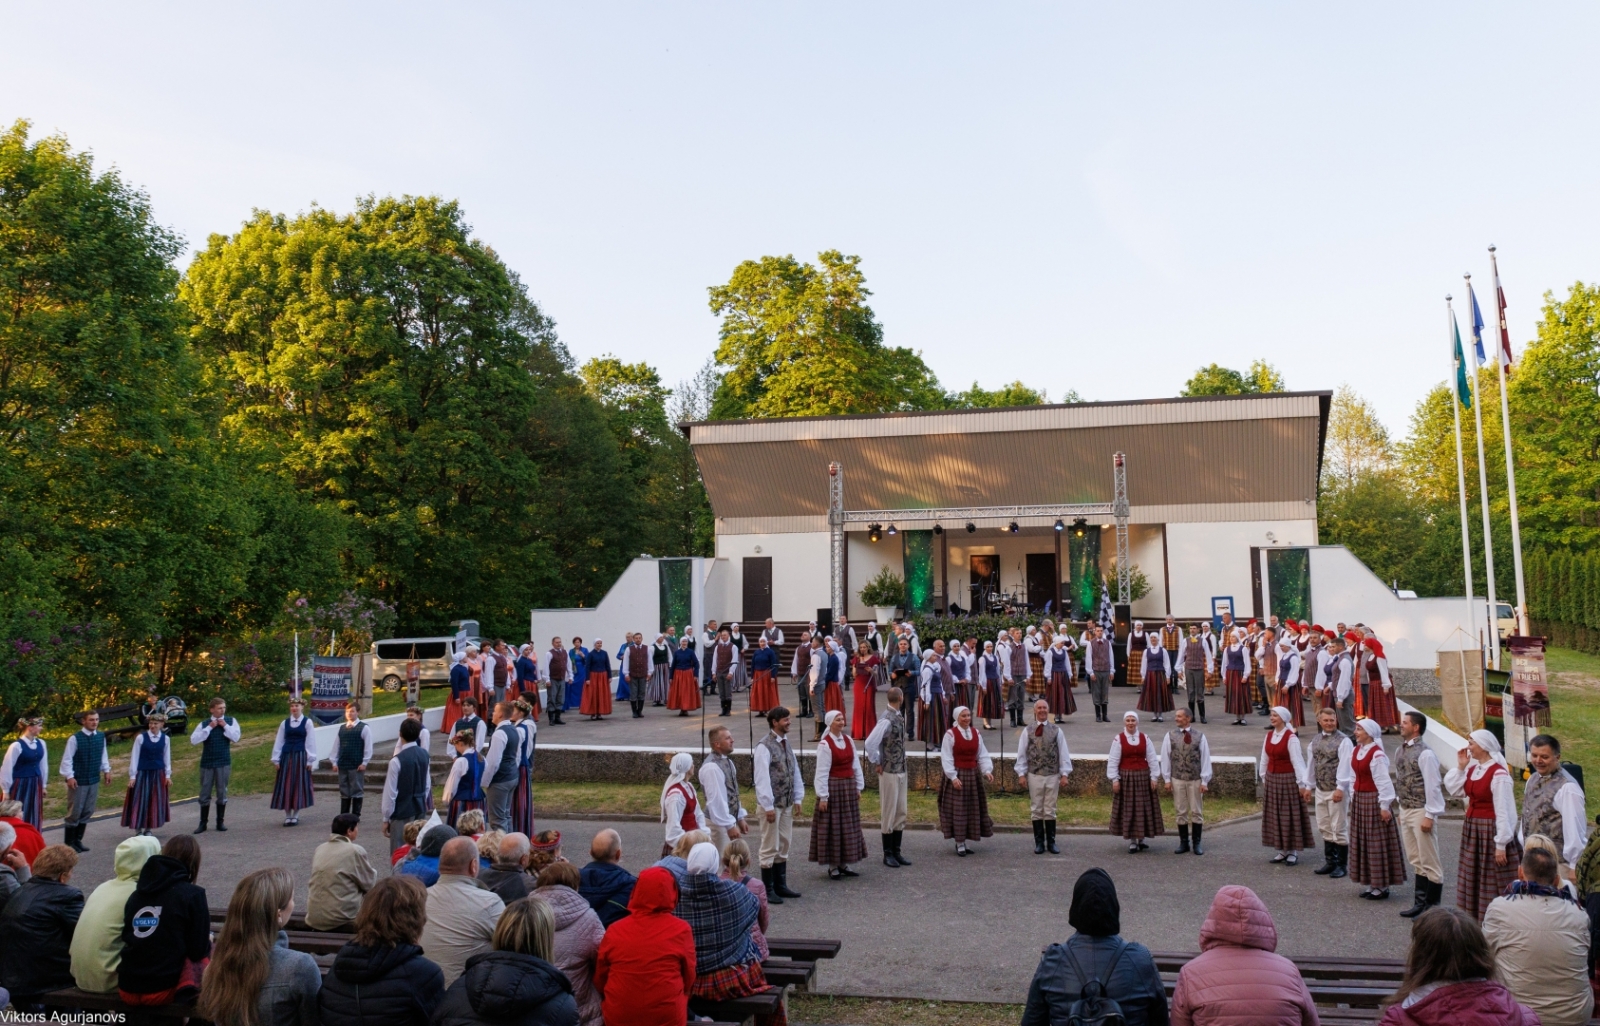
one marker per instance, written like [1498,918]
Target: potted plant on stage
[884,593]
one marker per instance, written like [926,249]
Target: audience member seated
[645,967]
[254,979]
[1540,941]
[1237,980]
[604,884]
[489,847]
[36,929]
[1450,978]
[735,867]
[14,870]
[471,823]
[341,873]
[544,848]
[678,862]
[409,835]
[97,941]
[508,876]
[461,915]
[1588,886]
[30,842]
[381,977]
[166,928]
[422,861]
[1096,952]
[578,935]
[722,913]
[516,983]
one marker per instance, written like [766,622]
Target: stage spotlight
[1078,526]
[892,531]
[1060,526]
[937,529]
[970,528]
[1013,528]
[874,533]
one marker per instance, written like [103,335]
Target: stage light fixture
[1060,526]
[937,529]
[1013,528]
[874,533]
[970,528]
[892,531]
[1078,526]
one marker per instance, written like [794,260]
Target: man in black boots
[84,765]
[215,735]
[1098,667]
[353,751]
[780,788]
[1415,772]
[1330,755]
[1043,764]
[1186,763]
[1194,658]
[886,747]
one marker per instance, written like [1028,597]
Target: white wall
[1412,630]
[799,574]
[632,604]
[1208,560]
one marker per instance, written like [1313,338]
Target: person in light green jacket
[97,940]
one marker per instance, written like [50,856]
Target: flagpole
[1523,626]
[1461,473]
[1483,475]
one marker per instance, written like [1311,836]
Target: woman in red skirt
[963,803]
[1490,853]
[1155,696]
[1380,704]
[684,695]
[1236,676]
[596,700]
[864,715]
[832,693]
[1375,856]
[836,839]
[1135,807]
[1285,824]
[1058,679]
[763,677]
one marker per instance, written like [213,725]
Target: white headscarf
[1489,743]
[827,721]
[703,859]
[1135,716]
[1374,731]
[681,765]
[1285,715]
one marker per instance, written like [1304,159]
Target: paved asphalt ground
[967,929]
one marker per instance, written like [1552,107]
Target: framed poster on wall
[1220,604]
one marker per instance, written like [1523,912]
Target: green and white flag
[1463,388]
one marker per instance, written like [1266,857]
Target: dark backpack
[1093,1008]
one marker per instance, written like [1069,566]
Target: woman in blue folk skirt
[463,789]
[294,754]
[25,770]
[527,725]
[146,807]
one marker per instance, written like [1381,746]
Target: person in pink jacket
[1237,979]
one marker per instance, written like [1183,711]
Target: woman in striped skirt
[836,839]
[1236,676]
[660,671]
[527,725]
[294,755]
[684,695]
[1490,853]
[1380,704]
[145,807]
[1058,679]
[25,770]
[1132,766]
[986,674]
[1285,824]
[963,803]
[1375,856]
[1154,694]
[463,789]
[935,720]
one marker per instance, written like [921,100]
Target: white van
[433,655]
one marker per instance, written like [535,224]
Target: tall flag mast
[1462,397]
[1504,363]
[1478,360]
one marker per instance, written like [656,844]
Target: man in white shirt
[86,748]
[720,783]
[1419,791]
[1553,804]
[1186,763]
[780,788]
[1043,764]
[461,915]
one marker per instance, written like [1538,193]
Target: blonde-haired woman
[146,805]
[25,769]
[254,979]
[516,981]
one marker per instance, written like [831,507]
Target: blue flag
[1477,325]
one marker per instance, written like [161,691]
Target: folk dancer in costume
[886,747]
[636,673]
[774,634]
[739,680]
[800,671]
[295,756]
[780,788]
[1285,827]
[1015,670]
[596,701]
[26,769]
[935,706]
[660,671]
[580,675]
[460,689]
[1236,677]
[1194,657]
[1376,859]
[1286,686]
[1312,660]
[1341,683]
[146,806]
[1134,648]
[1265,655]
[723,655]
[527,725]
[1171,639]
[407,786]
[719,778]
[84,765]
[708,641]
[865,688]
[963,803]
[1329,753]
[1213,644]
[684,695]
[500,769]
[680,803]
[830,695]
[216,736]
[352,751]
[959,660]
[1186,764]
[558,676]
[473,723]
[905,673]
[477,664]
[1380,703]
[1134,769]
[1155,696]
[817,677]
[991,684]
[1058,674]
[1553,804]
[1098,667]
[1419,787]
[1043,764]
[836,839]
[844,636]
[763,676]
[463,788]
[1035,645]
[526,668]
[499,665]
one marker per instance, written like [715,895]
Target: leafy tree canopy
[1218,380]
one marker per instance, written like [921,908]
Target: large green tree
[1218,380]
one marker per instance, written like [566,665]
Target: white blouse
[819,779]
[1505,797]
[1114,759]
[947,752]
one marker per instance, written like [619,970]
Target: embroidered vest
[1102,655]
[1405,769]
[782,769]
[1325,759]
[894,743]
[1170,636]
[730,780]
[1186,756]
[1044,751]
[1539,813]
[217,749]
[1194,655]
[1019,662]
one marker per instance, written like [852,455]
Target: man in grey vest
[1186,763]
[722,657]
[779,791]
[216,735]
[1414,769]
[1195,656]
[1098,666]
[719,778]
[1329,759]
[1043,764]
[1552,803]
[500,769]
[1342,681]
[886,747]
[406,787]
[84,765]
[352,751]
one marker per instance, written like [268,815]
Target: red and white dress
[1375,855]
[964,810]
[1490,826]
[1135,812]
[1285,823]
[681,813]
[836,833]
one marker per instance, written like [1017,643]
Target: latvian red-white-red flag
[1500,301]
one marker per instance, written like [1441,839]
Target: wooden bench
[741,1009]
[1354,985]
[126,711]
[807,950]
[783,972]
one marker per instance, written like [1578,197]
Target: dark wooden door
[1043,581]
[757,590]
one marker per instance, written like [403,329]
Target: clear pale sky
[1089,196]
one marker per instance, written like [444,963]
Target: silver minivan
[434,656]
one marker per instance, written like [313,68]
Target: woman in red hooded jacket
[1451,979]
[645,967]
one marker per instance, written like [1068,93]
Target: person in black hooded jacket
[36,928]
[515,984]
[381,978]
[1095,952]
[166,927]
